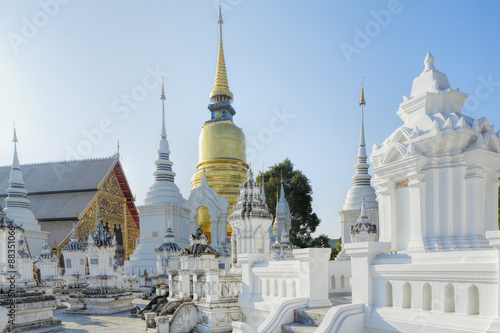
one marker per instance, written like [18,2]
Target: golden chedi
[222,150]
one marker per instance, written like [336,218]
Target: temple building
[63,193]
[222,148]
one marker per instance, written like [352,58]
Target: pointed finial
[281,176]
[221,87]
[73,233]
[15,164]
[429,62]
[163,129]
[15,135]
[362,99]
[362,103]
[162,88]
[220,14]
[118,148]
[249,173]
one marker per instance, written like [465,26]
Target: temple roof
[199,245]
[74,245]
[58,190]
[169,245]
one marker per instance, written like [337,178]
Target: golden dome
[222,140]
[223,158]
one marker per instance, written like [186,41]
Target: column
[474,187]
[184,284]
[313,284]
[362,255]
[385,192]
[212,277]
[416,187]
[494,241]
[195,287]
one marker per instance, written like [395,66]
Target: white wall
[336,271]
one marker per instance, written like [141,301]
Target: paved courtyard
[120,322]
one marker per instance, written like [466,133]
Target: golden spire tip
[362,99]
[162,88]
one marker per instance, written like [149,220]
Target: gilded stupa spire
[362,99]
[221,90]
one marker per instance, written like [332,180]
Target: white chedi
[167,255]
[105,294]
[74,259]
[11,235]
[250,222]
[25,266]
[436,143]
[282,248]
[46,261]
[363,230]
[436,262]
[164,207]
[17,207]
[199,255]
[361,191]
[100,249]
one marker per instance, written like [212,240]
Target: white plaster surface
[119,322]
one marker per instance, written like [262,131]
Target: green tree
[336,250]
[321,241]
[298,193]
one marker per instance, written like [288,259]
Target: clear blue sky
[68,75]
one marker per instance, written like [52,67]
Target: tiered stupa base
[32,310]
[102,297]
[218,317]
[100,303]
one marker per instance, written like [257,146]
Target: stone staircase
[306,320]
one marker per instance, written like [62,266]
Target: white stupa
[361,190]
[283,218]
[74,260]
[435,266]
[250,222]
[164,207]
[17,207]
[363,230]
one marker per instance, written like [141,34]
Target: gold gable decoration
[114,212]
